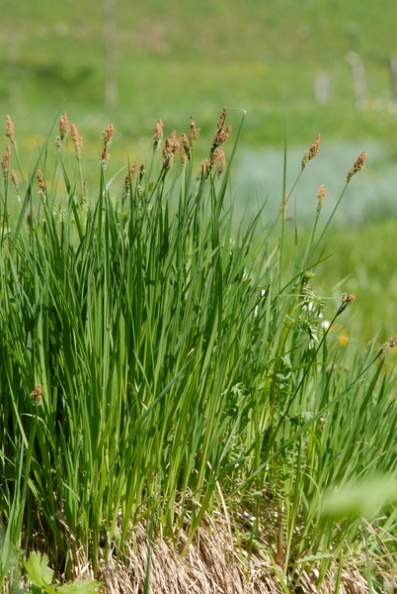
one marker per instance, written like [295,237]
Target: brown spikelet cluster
[77,141]
[216,155]
[131,174]
[187,141]
[63,130]
[107,141]
[105,157]
[63,126]
[346,299]
[185,148]
[204,169]
[171,147]
[221,133]
[37,395]
[10,131]
[107,135]
[129,178]
[358,165]
[41,185]
[5,164]
[321,194]
[312,152]
[158,134]
[389,344]
[15,181]
[193,132]
[141,173]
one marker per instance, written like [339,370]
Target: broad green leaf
[80,587]
[37,569]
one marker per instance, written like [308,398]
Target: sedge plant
[160,364]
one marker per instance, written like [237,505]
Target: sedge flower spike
[312,152]
[63,126]
[347,298]
[193,131]
[389,344]
[5,164]
[10,132]
[158,134]
[358,165]
[321,194]
[77,140]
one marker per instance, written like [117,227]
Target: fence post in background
[13,69]
[110,51]
[322,88]
[359,84]
[393,78]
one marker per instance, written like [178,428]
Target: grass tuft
[170,387]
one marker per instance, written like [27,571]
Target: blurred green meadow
[177,59]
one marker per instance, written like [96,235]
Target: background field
[180,58]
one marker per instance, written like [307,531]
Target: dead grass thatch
[214,563]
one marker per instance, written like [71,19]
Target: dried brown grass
[214,563]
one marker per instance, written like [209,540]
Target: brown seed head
[15,181]
[193,131]
[171,147]
[204,170]
[224,135]
[348,298]
[131,174]
[185,148]
[41,184]
[218,156]
[107,136]
[105,157]
[10,132]
[312,152]
[221,120]
[77,140]
[158,134]
[389,344]
[321,194]
[221,162]
[221,134]
[63,126]
[358,165]
[5,164]
[129,179]
[37,395]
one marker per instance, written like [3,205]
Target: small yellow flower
[343,338]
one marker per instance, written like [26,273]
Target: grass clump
[170,388]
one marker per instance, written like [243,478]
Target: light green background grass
[177,58]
